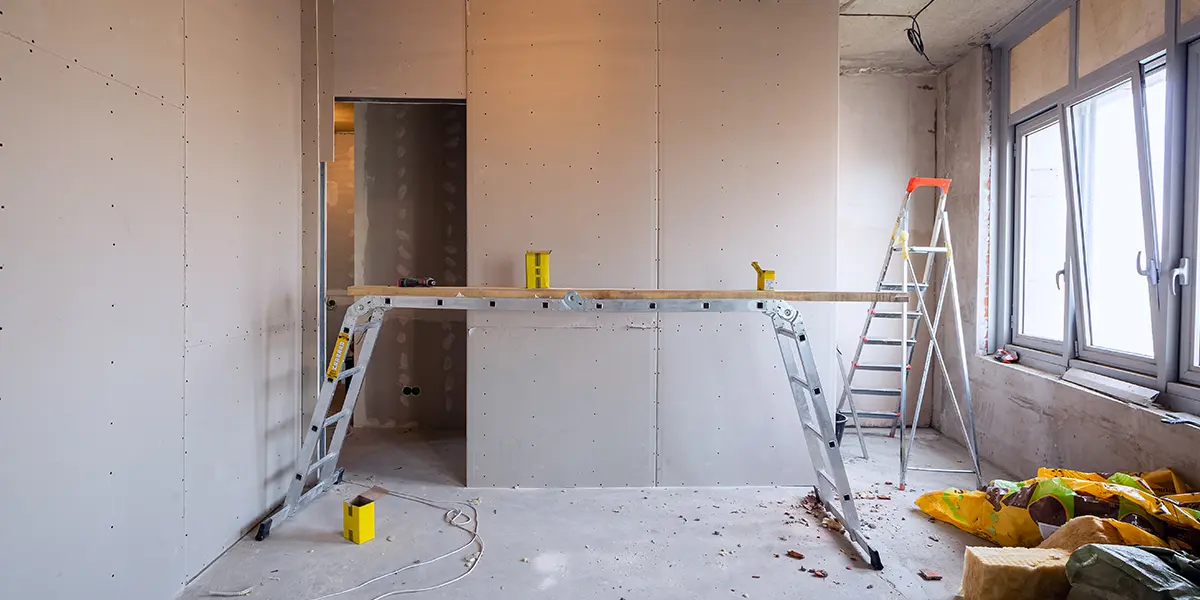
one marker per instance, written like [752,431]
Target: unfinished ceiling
[949,27]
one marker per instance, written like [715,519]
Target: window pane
[1111,220]
[1043,234]
[1156,120]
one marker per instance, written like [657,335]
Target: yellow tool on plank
[766,278]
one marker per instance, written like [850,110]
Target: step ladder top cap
[920,182]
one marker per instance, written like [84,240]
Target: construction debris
[929,575]
[795,555]
[819,573]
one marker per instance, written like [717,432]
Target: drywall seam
[131,87]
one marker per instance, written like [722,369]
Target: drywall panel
[411,222]
[241,402]
[886,135]
[311,198]
[561,118]
[325,79]
[1041,63]
[561,406]
[137,43]
[1109,29]
[243,169]
[739,425]
[92,387]
[748,162]
[561,121]
[242,271]
[1188,10]
[400,48]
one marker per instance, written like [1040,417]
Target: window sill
[1178,397]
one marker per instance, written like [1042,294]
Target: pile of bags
[1078,536]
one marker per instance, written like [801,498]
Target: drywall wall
[1108,29]
[242,279]
[172,389]
[400,48]
[410,221]
[744,177]
[561,117]
[92,380]
[886,135]
[1027,419]
[1188,10]
[1040,64]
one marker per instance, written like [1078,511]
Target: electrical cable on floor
[453,516]
[913,32]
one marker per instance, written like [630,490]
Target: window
[1088,189]
[1116,302]
[1041,235]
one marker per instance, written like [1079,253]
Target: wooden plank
[359,291]
[1041,63]
[1109,29]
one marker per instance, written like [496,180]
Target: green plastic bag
[1106,572]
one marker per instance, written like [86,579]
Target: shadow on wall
[401,212]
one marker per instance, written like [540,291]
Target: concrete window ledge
[1026,418]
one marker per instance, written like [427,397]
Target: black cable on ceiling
[913,32]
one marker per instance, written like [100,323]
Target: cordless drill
[416,282]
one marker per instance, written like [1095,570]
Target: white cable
[455,517]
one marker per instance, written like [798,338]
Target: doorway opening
[396,208]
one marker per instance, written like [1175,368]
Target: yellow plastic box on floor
[1015,574]
[358,519]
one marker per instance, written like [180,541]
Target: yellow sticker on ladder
[339,356]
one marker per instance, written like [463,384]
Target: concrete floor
[603,543]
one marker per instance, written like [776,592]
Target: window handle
[1181,275]
[1058,278]
[1150,270]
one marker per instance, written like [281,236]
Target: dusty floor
[602,543]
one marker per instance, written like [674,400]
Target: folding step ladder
[911,322]
[817,426]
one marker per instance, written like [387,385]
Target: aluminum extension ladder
[364,319]
[911,322]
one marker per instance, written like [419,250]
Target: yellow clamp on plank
[904,245]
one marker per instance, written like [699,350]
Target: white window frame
[1052,347]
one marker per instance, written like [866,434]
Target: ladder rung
[924,249]
[875,391]
[884,342]
[827,478]
[798,381]
[320,462]
[331,419]
[866,414]
[896,287]
[814,429]
[880,368]
[351,372]
[788,332]
[888,314]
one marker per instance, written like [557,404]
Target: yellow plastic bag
[1018,513]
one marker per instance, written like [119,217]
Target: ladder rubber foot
[337,478]
[902,487]
[892,433]
[875,562]
[264,529]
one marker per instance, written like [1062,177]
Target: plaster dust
[604,543]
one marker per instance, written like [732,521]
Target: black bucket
[839,426]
